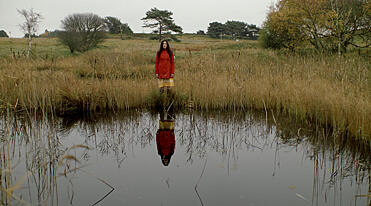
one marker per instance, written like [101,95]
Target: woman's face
[164,44]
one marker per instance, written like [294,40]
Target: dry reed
[210,74]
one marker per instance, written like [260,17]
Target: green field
[210,74]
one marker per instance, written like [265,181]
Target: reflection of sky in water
[244,165]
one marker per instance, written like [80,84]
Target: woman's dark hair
[166,157]
[167,48]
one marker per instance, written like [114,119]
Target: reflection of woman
[165,140]
[164,68]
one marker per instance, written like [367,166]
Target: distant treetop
[232,29]
[162,23]
[3,33]
[115,26]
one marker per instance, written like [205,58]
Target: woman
[164,68]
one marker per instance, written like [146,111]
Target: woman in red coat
[164,68]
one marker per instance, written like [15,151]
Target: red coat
[164,65]
[165,140]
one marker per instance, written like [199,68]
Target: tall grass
[210,74]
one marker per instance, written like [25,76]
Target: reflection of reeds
[34,145]
[343,159]
[35,141]
[336,158]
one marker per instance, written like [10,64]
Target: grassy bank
[210,74]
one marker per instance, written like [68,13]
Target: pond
[148,158]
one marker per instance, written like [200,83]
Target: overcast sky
[191,15]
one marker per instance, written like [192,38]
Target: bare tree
[30,26]
[82,31]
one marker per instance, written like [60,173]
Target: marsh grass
[210,75]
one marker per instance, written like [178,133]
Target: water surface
[142,158]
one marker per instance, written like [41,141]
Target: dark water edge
[218,159]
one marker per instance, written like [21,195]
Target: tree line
[232,29]
[84,31]
[326,25]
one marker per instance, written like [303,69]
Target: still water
[142,158]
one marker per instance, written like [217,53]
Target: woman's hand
[157,76]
